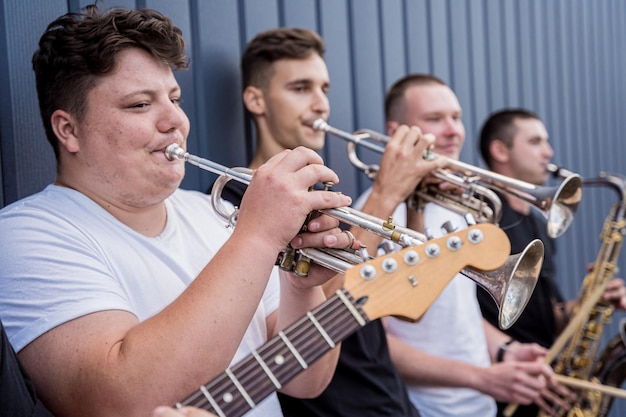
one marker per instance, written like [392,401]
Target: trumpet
[560,202]
[510,286]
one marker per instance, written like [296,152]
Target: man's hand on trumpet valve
[402,167]
[321,232]
[278,201]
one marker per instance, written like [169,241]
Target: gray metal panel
[417,29]
[341,93]
[218,132]
[460,73]
[27,158]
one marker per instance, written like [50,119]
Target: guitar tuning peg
[469,219]
[448,227]
[387,246]
[364,254]
[428,233]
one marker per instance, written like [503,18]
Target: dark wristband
[502,349]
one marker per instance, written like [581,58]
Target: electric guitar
[401,284]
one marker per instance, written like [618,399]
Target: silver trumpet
[510,286]
[560,202]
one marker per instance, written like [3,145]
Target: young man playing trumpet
[285,85]
[453,361]
[118,290]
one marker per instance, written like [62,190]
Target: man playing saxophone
[515,143]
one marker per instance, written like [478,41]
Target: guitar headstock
[405,283]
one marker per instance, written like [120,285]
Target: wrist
[502,350]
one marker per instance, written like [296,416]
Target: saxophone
[577,358]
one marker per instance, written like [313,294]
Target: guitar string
[301,338]
[274,345]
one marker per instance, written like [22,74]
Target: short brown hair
[275,44]
[501,126]
[394,99]
[77,48]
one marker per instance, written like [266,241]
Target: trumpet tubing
[560,202]
[510,286]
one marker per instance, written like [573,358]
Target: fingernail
[296,242]
[331,240]
[313,226]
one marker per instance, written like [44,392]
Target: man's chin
[316,144]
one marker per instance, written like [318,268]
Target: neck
[517,204]
[266,146]
[149,220]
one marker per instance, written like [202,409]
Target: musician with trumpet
[515,142]
[119,291]
[285,87]
[449,358]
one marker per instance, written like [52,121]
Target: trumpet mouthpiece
[174,151]
[320,124]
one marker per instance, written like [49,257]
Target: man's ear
[391,126]
[65,128]
[499,151]
[254,100]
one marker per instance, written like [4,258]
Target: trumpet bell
[512,285]
[562,211]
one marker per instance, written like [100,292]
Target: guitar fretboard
[280,359]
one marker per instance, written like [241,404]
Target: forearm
[420,368]
[495,339]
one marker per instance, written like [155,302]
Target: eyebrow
[150,92]
[305,81]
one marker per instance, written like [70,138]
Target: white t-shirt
[452,327]
[62,256]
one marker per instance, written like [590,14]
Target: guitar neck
[280,359]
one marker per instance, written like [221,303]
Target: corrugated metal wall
[562,58]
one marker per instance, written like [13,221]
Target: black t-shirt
[17,394]
[536,324]
[365,382]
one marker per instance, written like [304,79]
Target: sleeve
[51,273]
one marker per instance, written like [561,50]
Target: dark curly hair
[77,48]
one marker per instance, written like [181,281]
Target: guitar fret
[267,370]
[351,308]
[240,388]
[320,329]
[293,350]
[212,401]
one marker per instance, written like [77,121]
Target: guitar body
[402,284]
